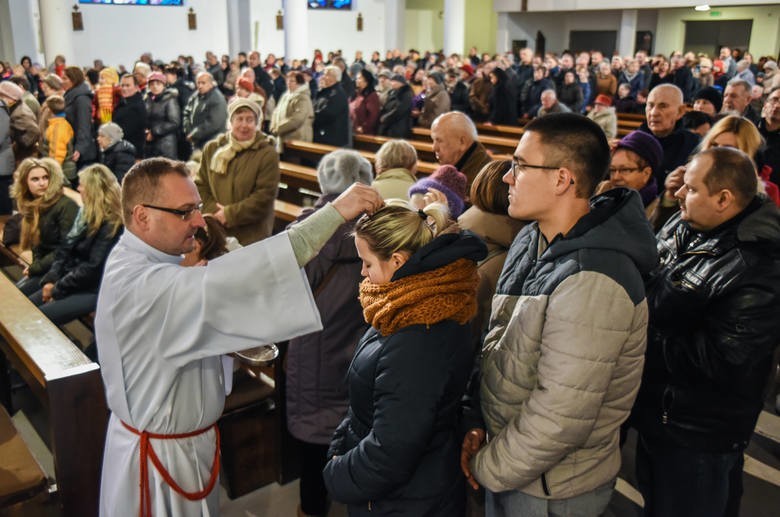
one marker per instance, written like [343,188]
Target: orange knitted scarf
[446,293]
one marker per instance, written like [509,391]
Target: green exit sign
[714,13]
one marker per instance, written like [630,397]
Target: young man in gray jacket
[562,360]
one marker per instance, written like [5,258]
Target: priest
[160,330]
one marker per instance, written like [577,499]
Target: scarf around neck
[446,293]
[223,155]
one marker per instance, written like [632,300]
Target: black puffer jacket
[398,448]
[119,158]
[163,119]
[714,302]
[78,265]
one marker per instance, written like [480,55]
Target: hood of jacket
[444,249]
[496,229]
[616,222]
[81,89]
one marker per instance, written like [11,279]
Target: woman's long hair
[30,206]
[102,203]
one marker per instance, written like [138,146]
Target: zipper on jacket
[545,488]
[666,403]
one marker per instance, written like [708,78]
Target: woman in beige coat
[294,115]
[239,175]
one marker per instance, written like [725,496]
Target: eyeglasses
[185,215]
[518,167]
[622,171]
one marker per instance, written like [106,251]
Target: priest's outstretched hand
[358,199]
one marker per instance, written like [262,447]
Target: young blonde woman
[397,450]
[69,289]
[47,215]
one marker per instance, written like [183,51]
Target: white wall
[327,29]
[573,5]
[119,34]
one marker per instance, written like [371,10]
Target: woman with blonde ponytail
[46,212]
[397,450]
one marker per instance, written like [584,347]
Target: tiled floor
[270,501]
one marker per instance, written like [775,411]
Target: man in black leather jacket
[713,300]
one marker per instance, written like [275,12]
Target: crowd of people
[515,317]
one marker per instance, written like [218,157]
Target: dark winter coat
[131,116]
[78,264]
[395,119]
[54,225]
[571,95]
[205,117]
[78,112]
[119,158]
[397,451]
[714,300]
[502,101]
[331,117]
[459,97]
[163,118]
[678,147]
[317,363]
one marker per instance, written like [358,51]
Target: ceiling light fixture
[703,7]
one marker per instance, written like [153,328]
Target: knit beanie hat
[157,76]
[710,94]
[340,169]
[239,103]
[451,182]
[646,146]
[398,77]
[11,90]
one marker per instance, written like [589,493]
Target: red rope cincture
[147,453]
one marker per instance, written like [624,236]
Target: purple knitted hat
[451,182]
[646,146]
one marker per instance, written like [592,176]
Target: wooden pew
[68,385]
[296,150]
[494,144]
[374,142]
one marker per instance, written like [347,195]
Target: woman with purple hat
[637,156]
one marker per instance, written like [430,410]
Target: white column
[24,28]
[394,24]
[57,29]
[296,30]
[454,26]
[627,32]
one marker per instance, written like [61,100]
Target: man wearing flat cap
[239,175]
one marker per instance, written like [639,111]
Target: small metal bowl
[263,355]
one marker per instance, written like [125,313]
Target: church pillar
[296,30]
[454,26]
[57,29]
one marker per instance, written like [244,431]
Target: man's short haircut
[577,143]
[395,154]
[746,86]
[458,121]
[550,91]
[211,77]
[733,170]
[131,76]
[142,182]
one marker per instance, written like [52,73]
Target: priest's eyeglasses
[184,214]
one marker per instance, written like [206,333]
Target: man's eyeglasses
[622,171]
[185,215]
[518,167]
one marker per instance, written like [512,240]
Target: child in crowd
[58,138]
